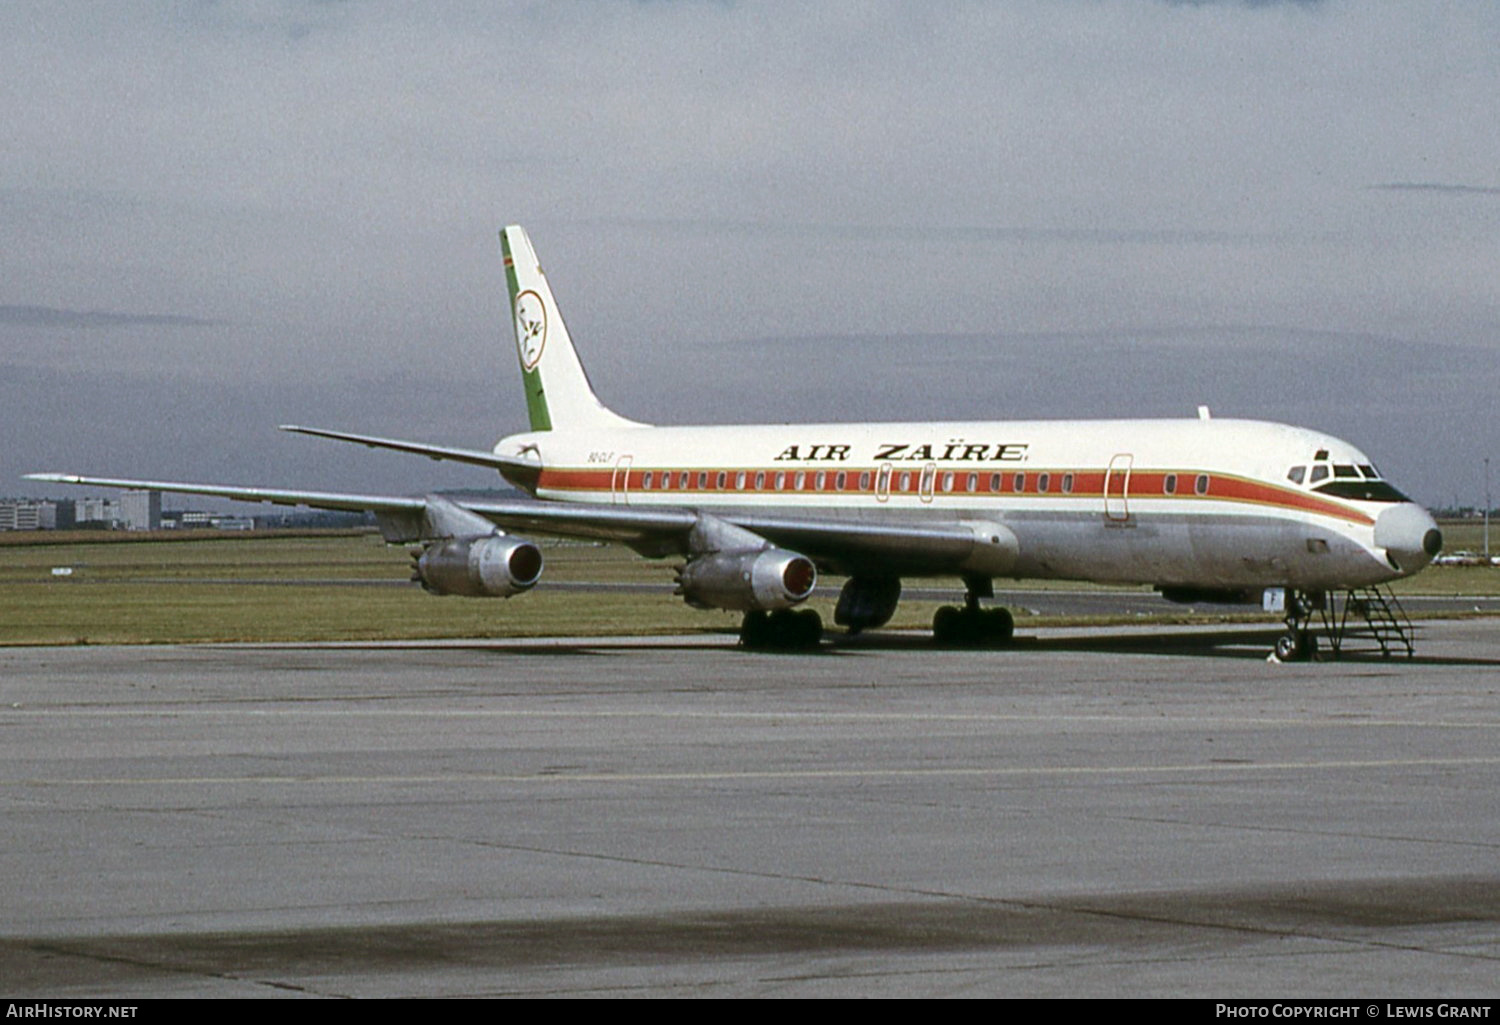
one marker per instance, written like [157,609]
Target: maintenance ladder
[1368,614]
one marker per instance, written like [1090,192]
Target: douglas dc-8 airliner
[1205,509]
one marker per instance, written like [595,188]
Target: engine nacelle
[494,566]
[762,578]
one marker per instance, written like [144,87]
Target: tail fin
[558,393]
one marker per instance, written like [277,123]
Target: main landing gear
[782,630]
[972,626]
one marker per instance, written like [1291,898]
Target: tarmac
[1092,813]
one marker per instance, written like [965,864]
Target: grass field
[349,586]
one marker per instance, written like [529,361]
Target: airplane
[1204,509]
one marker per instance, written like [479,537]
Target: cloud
[1440,187]
[45,316]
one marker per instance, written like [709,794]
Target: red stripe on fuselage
[1145,485]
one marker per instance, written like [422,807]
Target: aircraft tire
[755,630]
[782,630]
[999,626]
[1296,646]
[809,629]
[947,625]
[972,627]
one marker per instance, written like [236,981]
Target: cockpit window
[1319,473]
[1368,471]
[1297,474]
[1344,470]
[1362,490]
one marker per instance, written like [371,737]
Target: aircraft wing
[842,544]
[312,499]
[401,516]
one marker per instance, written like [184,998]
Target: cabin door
[929,477]
[619,485]
[1117,488]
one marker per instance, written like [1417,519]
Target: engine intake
[494,566]
[762,578]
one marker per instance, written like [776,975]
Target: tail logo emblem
[531,328]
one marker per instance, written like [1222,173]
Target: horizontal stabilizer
[472,456]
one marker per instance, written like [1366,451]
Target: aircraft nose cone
[1409,535]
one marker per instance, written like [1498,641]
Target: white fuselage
[1191,503]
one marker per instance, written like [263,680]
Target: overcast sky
[221,216]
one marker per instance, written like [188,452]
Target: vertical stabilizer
[558,393]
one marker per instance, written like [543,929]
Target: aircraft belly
[1202,551]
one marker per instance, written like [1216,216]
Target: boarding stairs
[1368,614]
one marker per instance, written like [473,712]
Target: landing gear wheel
[1000,626]
[1297,646]
[948,625]
[782,630]
[755,630]
[811,628]
[972,626]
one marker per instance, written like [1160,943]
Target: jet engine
[494,566]
[758,579]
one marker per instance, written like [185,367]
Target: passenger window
[839,480]
[1319,473]
[1043,482]
[1018,483]
[720,479]
[995,483]
[820,480]
[1201,484]
[947,482]
[1296,474]
[760,481]
[799,481]
[903,482]
[702,480]
[780,481]
[1067,483]
[973,483]
[864,481]
[1169,484]
[739,481]
[645,480]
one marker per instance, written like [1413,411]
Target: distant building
[95,510]
[141,510]
[28,514]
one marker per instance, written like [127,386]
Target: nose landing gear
[1299,643]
